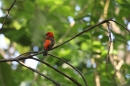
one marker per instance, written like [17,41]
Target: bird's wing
[46,44]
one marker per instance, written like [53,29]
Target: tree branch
[73,80]
[71,66]
[90,28]
[86,30]
[36,71]
[31,57]
[8,11]
[120,25]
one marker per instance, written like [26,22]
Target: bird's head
[50,34]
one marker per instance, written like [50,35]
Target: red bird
[48,42]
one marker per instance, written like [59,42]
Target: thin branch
[22,56]
[86,30]
[30,56]
[36,71]
[11,6]
[8,11]
[71,66]
[4,21]
[15,59]
[109,46]
[28,53]
[73,80]
[120,25]
[8,60]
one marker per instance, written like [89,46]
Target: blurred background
[28,22]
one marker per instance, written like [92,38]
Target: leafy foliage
[28,22]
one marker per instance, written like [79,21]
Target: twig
[32,53]
[8,10]
[73,80]
[56,83]
[109,46]
[120,25]
[71,66]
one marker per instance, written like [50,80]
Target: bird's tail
[45,53]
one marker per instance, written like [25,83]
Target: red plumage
[48,42]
